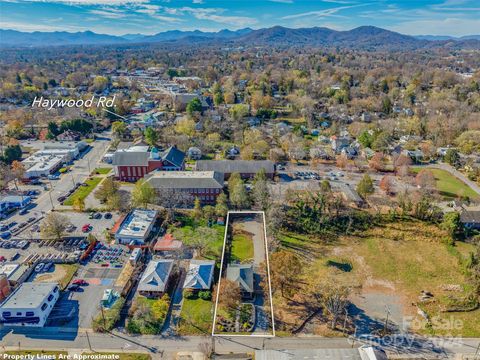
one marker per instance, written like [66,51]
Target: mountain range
[364,37]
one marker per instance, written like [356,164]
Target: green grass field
[448,185]
[242,247]
[197,317]
[102,171]
[83,191]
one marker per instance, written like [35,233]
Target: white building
[29,305]
[136,226]
[40,165]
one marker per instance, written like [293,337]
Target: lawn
[102,171]
[404,258]
[448,185]
[197,317]
[242,247]
[83,191]
[63,274]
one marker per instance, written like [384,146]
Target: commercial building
[29,305]
[204,185]
[136,226]
[135,162]
[11,202]
[246,168]
[155,279]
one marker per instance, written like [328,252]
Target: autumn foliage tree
[284,272]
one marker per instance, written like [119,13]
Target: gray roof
[125,158]
[241,274]
[156,275]
[28,295]
[199,275]
[174,156]
[236,166]
[470,217]
[185,180]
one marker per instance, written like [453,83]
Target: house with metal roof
[246,168]
[199,275]
[135,162]
[155,279]
[242,274]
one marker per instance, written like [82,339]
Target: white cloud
[197,1]
[20,26]
[321,13]
[449,26]
[90,2]
[282,1]
[109,13]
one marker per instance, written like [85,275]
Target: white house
[29,305]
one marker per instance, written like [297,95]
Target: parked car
[53,177]
[39,267]
[3,227]
[73,288]
[23,211]
[108,215]
[5,235]
[80,282]
[31,219]
[97,215]
[86,228]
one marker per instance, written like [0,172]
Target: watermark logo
[100,101]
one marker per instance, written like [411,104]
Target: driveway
[457,174]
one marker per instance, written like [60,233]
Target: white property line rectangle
[268,275]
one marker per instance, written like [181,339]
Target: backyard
[242,246]
[83,191]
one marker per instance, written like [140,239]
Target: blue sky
[436,17]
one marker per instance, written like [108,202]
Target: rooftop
[185,179]
[8,268]
[137,223]
[199,274]
[156,275]
[232,166]
[29,295]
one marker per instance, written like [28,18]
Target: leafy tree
[284,271]
[325,186]
[365,186]
[221,206]
[185,127]
[195,105]
[197,209]
[54,226]
[53,129]
[12,153]
[238,194]
[333,297]
[151,136]
[199,238]
[451,223]
[80,125]
[119,129]
[366,138]
[79,204]
[452,157]
[230,295]
[142,194]
[108,188]
[238,111]
[261,192]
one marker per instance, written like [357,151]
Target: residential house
[246,168]
[470,218]
[167,243]
[340,142]
[415,155]
[69,135]
[242,274]
[204,185]
[135,162]
[199,275]
[154,281]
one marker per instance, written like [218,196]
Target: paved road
[60,339]
[457,174]
[80,171]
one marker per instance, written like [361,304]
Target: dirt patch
[56,276]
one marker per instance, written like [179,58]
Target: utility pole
[387,309]
[88,340]
[345,321]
